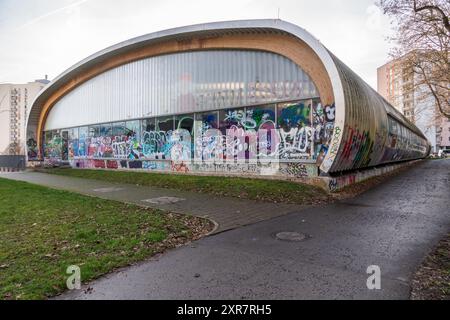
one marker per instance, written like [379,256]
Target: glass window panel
[105,130]
[53,145]
[260,117]
[103,142]
[47,141]
[295,120]
[133,139]
[207,120]
[148,125]
[231,118]
[165,124]
[64,145]
[185,121]
[73,143]
[119,129]
[94,131]
[133,128]
[82,136]
[48,136]
[294,115]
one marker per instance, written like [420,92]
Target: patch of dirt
[197,228]
[432,279]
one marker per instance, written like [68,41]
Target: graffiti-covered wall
[259,97]
[274,139]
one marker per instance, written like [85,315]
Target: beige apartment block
[15,102]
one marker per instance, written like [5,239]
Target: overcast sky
[39,37]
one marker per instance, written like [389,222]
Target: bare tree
[423,45]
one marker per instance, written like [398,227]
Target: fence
[12,163]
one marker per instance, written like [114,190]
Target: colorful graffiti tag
[53,147]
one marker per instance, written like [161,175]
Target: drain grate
[290,236]
[164,200]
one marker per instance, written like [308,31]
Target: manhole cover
[290,236]
[164,200]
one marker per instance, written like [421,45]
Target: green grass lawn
[43,231]
[246,188]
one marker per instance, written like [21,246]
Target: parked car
[446,153]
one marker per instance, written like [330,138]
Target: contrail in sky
[48,14]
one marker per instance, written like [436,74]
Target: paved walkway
[227,212]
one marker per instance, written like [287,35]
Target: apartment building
[15,102]
[396,84]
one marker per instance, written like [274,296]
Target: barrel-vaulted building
[247,97]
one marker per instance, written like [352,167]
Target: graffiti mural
[323,124]
[32,150]
[53,147]
[287,132]
[295,169]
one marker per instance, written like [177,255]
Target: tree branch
[445,19]
[434,93]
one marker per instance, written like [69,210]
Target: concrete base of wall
[6,169]
[295,172]
[264,169]
[337,183]
[34,164]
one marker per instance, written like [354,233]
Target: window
[82,136]
[207,120]
[165,124]
[73,142]
[204,122]
[185,121]
[133,139]
[294,115]
[52,144]
[133,128]
[118,129]
[148,125]
[94,131]
[260,117]
[47,140]
[231,118]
